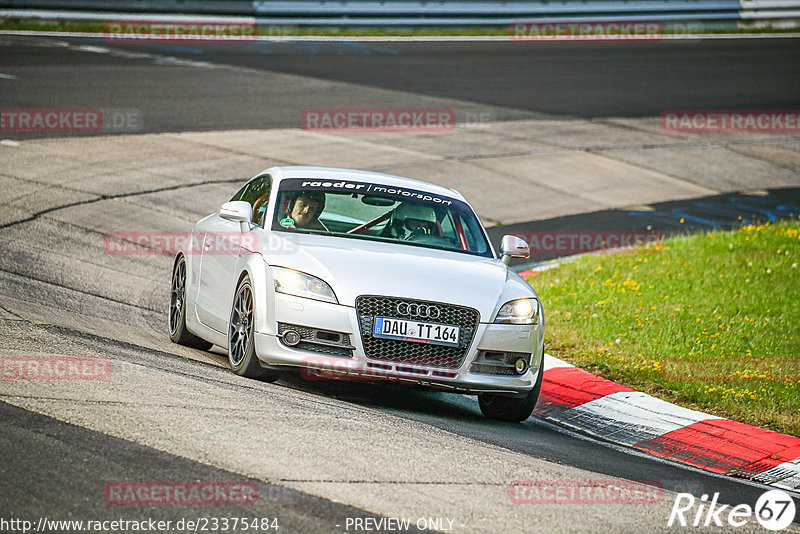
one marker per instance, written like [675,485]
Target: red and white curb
[582,401]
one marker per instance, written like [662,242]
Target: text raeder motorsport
[376,188]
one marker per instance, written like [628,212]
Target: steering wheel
[263,199]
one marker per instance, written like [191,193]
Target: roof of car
[335,173]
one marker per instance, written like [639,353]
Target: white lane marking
[630,417]
[788,474]
[8,142]
[95,49]
[157,59]
[8,76]
[551,362]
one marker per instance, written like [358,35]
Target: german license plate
[421,332]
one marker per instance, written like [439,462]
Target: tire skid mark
[100,198]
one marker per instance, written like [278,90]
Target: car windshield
[363,210]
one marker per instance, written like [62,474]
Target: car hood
[356,267]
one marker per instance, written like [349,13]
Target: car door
[221,248]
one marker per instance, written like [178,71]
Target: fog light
[521,366]
[291,338]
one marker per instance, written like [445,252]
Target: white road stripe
[8,76]
[630,417]
[788,474]
[95,49]
[551,362]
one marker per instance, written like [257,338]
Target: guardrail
[440,12]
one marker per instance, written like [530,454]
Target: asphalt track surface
[508,80]
[143,427]
[717,212]
[30,437]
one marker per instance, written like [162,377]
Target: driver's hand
[420,231]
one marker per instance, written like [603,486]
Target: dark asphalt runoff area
[513,80]
[603,79]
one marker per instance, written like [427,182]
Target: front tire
[177,311]
[241,341]
[511,409]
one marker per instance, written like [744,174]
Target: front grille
[428,355]
[488,369]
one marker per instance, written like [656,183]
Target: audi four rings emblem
[418,310]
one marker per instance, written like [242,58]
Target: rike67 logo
[774,510]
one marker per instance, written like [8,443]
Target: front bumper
[272,351]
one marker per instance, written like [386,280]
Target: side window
[473,234]
[256,192]
[240,193]
[447,225]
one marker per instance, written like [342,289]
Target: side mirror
[513,247]
[237,211]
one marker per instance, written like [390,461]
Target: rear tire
[241,341]
[511,409]
[177,311]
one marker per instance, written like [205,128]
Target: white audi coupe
[361,275]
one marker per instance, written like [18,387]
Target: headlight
[520,311]
[300,284]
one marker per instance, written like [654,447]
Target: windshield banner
[364,188]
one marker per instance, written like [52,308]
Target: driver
[305,208]
[411,220]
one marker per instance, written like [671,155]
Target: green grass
[710,321]
[286,31]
